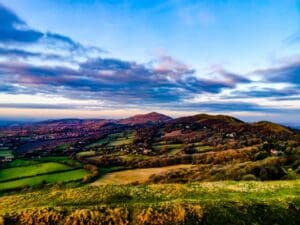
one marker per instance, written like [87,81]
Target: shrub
[261,155]
[169,214]
[291,174]
[249,177]
[232,213]
[271,172]
[103,216]
[94,173]
[31,217]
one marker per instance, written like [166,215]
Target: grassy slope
[135,175]
[231,202]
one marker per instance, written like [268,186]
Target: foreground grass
[228,202]
[134,175]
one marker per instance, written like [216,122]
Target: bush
[291,174]
[249,177]
[41,216]
[169,214]
[233,213]
[104,216]
[261,155]
[94,173]
[271,172]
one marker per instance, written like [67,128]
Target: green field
[134,175]
[173,149]
[32,170]
[24,138]
[215,203]
[134,157]
[203,148]
[59,159]
[22,162]
[66,176]
[98,143]
[121,141]
[116,139]
[86,154]
[6,153]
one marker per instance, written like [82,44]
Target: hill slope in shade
[276,128]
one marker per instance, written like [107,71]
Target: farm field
[86,154]
[6,153]
[22,162]
[203,148]
[115,139]
[224,202]
[32,170]
[172,149]
[52,178]
[59,159]
[27,172]
[134,175]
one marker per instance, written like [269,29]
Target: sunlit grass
[248,192]
[66,176]
[31,170]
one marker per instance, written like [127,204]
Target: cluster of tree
[267,169]
[94,173]
[159,161]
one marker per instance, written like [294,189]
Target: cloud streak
[113,78]
[163,82]
[15,32]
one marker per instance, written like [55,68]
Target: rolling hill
[149,118]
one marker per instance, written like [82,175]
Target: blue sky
[116,58]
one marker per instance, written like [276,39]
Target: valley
[147,166]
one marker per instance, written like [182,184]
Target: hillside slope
[190,204]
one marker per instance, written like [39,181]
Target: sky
[113,59]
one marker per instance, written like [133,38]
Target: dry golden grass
[135,175]
[210,203]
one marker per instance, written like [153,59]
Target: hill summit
[152,117]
